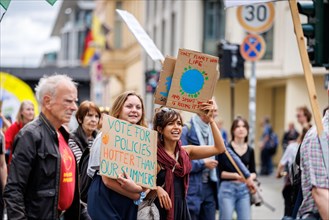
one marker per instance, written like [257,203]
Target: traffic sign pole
[252,104]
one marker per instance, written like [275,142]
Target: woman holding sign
[174,161]
[109,198]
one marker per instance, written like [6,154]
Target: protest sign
[129,148]
[194,80]
[142,37]
[164,84]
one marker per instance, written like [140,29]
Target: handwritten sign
[142,37]
[194,80]
[164,84]
[129,148]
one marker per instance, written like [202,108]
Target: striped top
[76,149]
[314,172]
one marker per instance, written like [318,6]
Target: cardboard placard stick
[306,66]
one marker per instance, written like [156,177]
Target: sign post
[252,49]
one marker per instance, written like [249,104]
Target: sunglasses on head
[165,109]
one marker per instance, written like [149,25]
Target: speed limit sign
[256,18]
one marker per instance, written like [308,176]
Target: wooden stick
[234,164]
[306,66]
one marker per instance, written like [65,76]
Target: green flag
[52,2]
[5,4]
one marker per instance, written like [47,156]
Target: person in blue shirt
[204,181]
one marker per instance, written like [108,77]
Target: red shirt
[67,178]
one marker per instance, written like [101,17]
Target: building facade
[201,24]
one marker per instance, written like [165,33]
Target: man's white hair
[47,85]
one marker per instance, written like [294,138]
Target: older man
[43,182]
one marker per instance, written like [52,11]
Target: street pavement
[271,188]
[271,191]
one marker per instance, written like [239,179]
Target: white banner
[141,35]
[231,3]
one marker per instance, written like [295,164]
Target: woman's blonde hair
[120,101]
[19,116]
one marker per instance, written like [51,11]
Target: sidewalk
[271,192]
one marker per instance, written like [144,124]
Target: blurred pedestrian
[109,198]
[6,122]
[315,176]
[174,161]
[268,145]
[289,136]
[3,170]
[202,193]
[285,170]
[220,123]
[43,180]
[304,116]
[25,114]
[233,192]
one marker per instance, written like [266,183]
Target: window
[173,34]
[163,35]
[65,45]
[118,28]
[214,25]
[268,38]
[81,43]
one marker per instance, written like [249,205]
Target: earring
[161,137]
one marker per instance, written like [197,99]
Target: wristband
[140,200]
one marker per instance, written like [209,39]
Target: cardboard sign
[194,80]
[164,84]
[142,37]
[128,148]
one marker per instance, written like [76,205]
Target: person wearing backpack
[81,139]
[268,145]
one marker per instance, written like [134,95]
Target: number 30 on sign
[256,18]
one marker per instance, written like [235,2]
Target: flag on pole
[89,49]
[231,3]
[52,2]
[4,6]
[5,3]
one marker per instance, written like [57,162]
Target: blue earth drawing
[168,85]
[192,82]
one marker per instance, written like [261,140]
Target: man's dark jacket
[32,190]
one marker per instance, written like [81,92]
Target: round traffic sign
[256,18]
[252,47]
